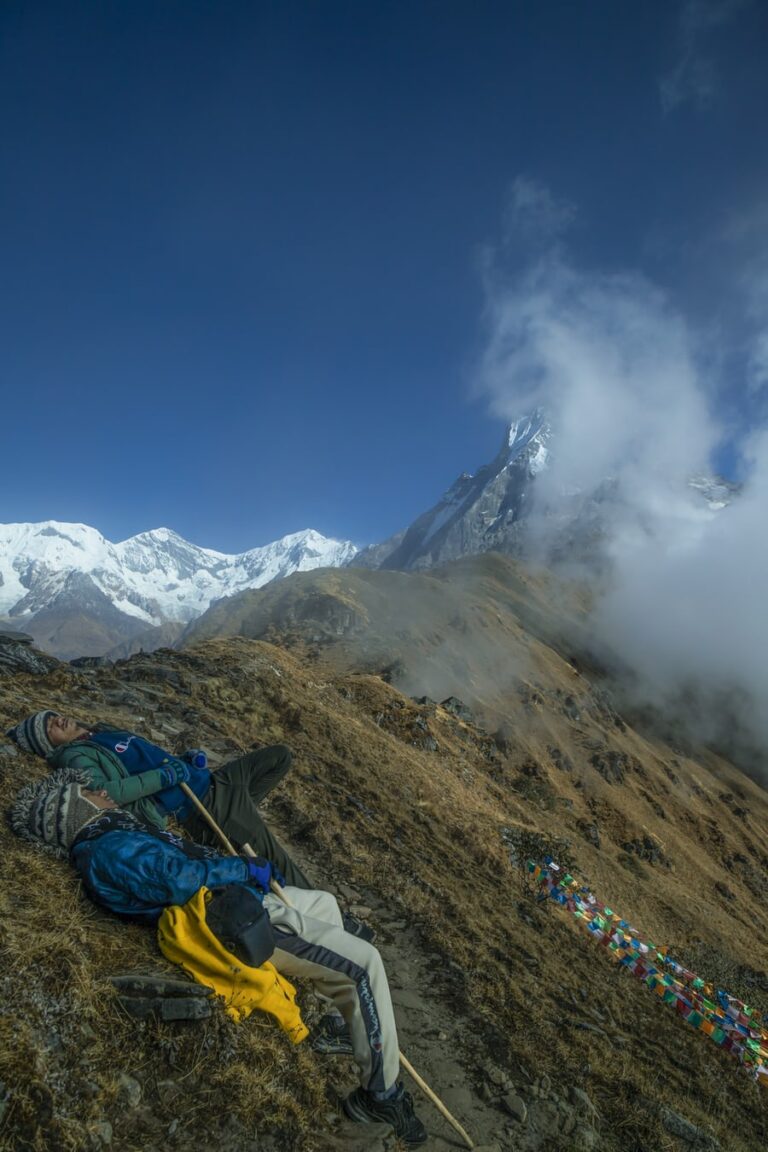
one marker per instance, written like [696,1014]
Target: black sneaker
[331,1037]
[357,928]
[397,1111]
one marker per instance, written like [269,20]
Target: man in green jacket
[145,779]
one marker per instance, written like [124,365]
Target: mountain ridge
[499,508]
[79,594]
[52,572]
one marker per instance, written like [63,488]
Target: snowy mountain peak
[159,536]
[717,492]
[491,509]
[154,577]
[529,434]
[522,430]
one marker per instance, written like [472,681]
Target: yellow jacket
[186,939]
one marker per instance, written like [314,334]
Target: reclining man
[136,872]
[144,779]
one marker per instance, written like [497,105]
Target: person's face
[63,730]
[100,798]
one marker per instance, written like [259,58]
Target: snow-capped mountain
[491,510]
[479,513]
[51,571]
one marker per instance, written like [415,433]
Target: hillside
[476,628]
[407,810]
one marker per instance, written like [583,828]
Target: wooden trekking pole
[435,1100]
[208,817]
[280,892]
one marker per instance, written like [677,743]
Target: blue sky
[244,247]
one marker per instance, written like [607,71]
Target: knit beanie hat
[32,734]
[51,812]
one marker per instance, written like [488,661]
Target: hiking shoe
[331,1037]
[357,928]
[397,1111]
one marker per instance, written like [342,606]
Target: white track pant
[311,943]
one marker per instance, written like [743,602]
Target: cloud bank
[618,371]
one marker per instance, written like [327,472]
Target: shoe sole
[362,1117]
[328,1048]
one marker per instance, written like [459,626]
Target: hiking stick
[206,815]
[435,1100]
[209,819]
[280,892]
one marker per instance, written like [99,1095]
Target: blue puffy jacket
[136,872]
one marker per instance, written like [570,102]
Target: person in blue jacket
[135,871]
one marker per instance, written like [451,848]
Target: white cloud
[616,368]
[688,610]
[757,366]
[606,354]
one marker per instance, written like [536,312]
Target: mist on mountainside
[619,375]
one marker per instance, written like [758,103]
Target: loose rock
[678,1126]
[515,1106]
[129,1090]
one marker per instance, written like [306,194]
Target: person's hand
[175,772]
[260,871]
[182,771]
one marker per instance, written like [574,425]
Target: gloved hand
[260,871]
[196,757]
[174,772]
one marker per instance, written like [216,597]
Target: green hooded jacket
[104,770]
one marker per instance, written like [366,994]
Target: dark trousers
[236,790]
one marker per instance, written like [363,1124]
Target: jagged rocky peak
[529,436]
[717,491]
[480,512]
[490,510]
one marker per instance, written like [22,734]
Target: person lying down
[143,873]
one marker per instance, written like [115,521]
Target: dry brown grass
[422,831]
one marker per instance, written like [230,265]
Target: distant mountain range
[78,594]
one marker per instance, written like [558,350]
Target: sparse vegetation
[426,836]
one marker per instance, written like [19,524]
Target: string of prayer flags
[732,1025]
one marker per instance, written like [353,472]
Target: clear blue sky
[240,242]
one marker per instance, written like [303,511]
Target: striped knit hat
[51,812]
[32,734]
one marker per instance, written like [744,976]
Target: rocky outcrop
[492,510]
[18,655]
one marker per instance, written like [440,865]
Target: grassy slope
[422,830]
